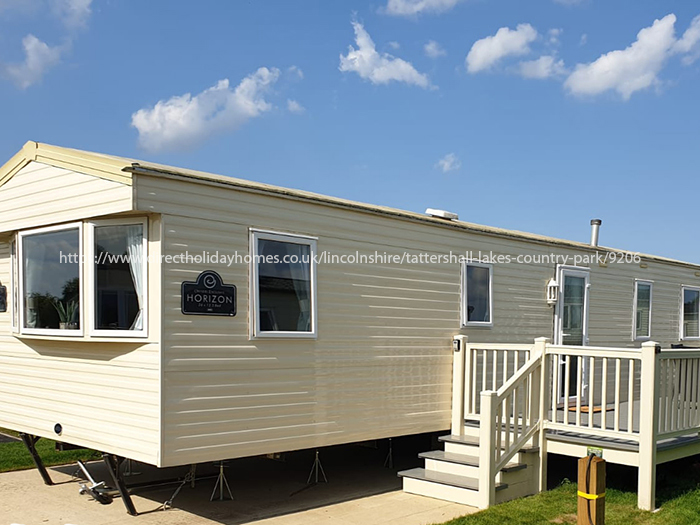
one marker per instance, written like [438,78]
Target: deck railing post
[459,352]
[648,426]
[541,350]
[487,453]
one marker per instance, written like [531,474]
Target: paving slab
[360,492]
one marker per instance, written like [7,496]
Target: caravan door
[571,322]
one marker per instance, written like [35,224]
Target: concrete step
[459,464]
[448,487]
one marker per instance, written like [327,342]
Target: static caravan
[175,317]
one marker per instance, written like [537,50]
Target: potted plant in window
[66,314]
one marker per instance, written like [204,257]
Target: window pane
[574,302]
[478,308]
[690,313]
[284,274]
[643,310]
[52,280]
[118,277]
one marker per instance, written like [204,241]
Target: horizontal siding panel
[381,365]
[106,396]
[40,195]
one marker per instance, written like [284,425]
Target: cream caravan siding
[381,365]
[39,195]
[105,395]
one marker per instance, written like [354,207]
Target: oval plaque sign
[208,295]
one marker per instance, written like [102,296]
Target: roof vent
[442,214]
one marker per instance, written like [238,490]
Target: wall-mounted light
[552,292]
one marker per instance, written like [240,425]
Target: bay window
[283,285]
[70,277]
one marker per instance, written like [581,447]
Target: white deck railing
[641,395]
[489,367]
[594,390]
[678,386]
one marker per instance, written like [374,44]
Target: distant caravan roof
[122,170]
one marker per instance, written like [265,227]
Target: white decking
[640,407]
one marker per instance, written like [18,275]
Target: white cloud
[584,39]
[629,70]
[74,13]
[294,107]
[394,45]
[689,43]
[39,57]
[295,71]
[378,68]
[544,67]
[554,35]
[415,7]
[433,49]
[506,42]
[449,162]
[184,121]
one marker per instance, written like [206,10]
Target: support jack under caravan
[30,442]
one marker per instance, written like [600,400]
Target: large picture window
[119,277]
[690,310]
[283,285]
[64,285]
[50,280]
[477,295]
[642,309]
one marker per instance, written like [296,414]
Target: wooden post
[487,456]
[591,491]
[459,351]
[544,390]
[648,427]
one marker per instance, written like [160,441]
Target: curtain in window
[300,272]
[134,248]
[33,268]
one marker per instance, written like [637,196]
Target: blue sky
[535,115]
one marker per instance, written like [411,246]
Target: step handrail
[500,409]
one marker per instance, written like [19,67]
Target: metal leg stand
[113,463]
[30,442]
[315,470]
[128,469]
[220,483]
[389,461]
[192,474]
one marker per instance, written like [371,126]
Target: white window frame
[255,332]
[81,285]
[637,282]
[90,276]
[681,333]
[465,294]
[13,299]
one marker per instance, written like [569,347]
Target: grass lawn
[14,455]
[678,494]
